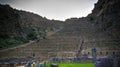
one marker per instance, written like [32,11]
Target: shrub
[32,36]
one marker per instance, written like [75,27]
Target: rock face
[8,20]
[74,37]
[106,16]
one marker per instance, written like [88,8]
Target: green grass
[73,65]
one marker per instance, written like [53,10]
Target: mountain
[71,38]
[106,15]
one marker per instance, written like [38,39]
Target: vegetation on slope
[12,32]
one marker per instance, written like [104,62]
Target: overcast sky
[54,9]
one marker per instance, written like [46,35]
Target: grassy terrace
[73,65]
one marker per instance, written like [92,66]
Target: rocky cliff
[106,16]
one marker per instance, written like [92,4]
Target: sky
[54,9]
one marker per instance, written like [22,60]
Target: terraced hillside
[76,36]
[67,42]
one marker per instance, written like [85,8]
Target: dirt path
[23,45]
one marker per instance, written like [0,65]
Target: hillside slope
[18,27]
[74,37]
